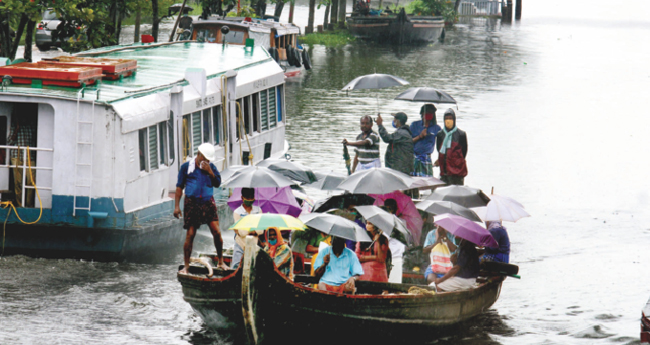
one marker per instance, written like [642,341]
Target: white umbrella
[501,208]
[376,181]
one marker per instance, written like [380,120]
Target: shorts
[197,212]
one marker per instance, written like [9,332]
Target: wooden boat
[397,29]
[645,324]
[273,304]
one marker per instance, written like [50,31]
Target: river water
[556,112]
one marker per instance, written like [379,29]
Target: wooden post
[326,19]
[342,8]
[310,20]
[320,29]
[510,6]
[291,7]
[178,18]
[136,31]
[518,10]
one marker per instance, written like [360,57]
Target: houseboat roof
[160,67]
[255,24]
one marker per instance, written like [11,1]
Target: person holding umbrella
[424,133]
[366,148]
[373,256]
[246,208]
[463,274]
[452,151]
[502,253]
[338,268]
[399,154]
[198,177]
[279,251]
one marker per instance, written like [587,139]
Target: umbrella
[502,208]
[256,177]
[232,171]
[339,201]
[307,202]
[425,182]
[374,81]
[376,180]
[441,207]
[405,210]
[425,94]
[327,180]
[385,221]
[466,229]
[464,196]
[270,200]
[292,170]
[336,226]
[263,221]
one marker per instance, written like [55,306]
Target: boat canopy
[142,112]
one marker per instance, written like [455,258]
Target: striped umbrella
[263,221]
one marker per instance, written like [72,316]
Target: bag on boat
[440,258]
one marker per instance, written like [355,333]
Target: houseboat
[279,39]
[105,153]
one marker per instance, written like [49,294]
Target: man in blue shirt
[338,268]
[198,177]
[424,139]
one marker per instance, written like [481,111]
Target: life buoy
[273,51]
[305,59]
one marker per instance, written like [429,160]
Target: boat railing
[25,165]
[479,8]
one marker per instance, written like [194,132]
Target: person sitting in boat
[434,237]
[198,177]
[502,253]
[246,208]
[463,274]
[424,133]
[373,256]
[279,251]
[338,268]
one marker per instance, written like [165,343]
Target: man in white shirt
[397,248]
[246,208]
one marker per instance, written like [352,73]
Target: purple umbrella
[466,229]
[270,200]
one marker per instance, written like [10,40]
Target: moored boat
[105,158]
[645,324]
[397,29]
[273,304]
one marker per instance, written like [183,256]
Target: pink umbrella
[466,229]
[405,210]
[270,200]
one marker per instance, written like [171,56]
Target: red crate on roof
[111,68]
[59,75]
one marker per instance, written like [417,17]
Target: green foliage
[246,11]
[433,7]
[328,38]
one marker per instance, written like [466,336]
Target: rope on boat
[416,290]
[205,263]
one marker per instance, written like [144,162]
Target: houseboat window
[187,136]
[235,37]
[207,125]
[142,136]
[162,135]
[204,35]
[196,131]
[280,89]
[247,114]
[170,131]
[272,108]
[216,122]
[264,107]
[238,115]
[256,112]
[153,147]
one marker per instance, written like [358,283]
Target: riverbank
[328,38]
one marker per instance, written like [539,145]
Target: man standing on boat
[452,151]
[366,147]
[399,154]
[424,139]
[246,208]
[198,177]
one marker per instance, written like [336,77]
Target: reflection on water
[556,116]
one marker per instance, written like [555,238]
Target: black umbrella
[292,170]
[462,195]
[335,226]
[425,94]
[339,201]
[440,207]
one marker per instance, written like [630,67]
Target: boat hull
[395,31]
[272,304]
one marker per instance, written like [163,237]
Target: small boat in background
[396,29]
[645,324]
